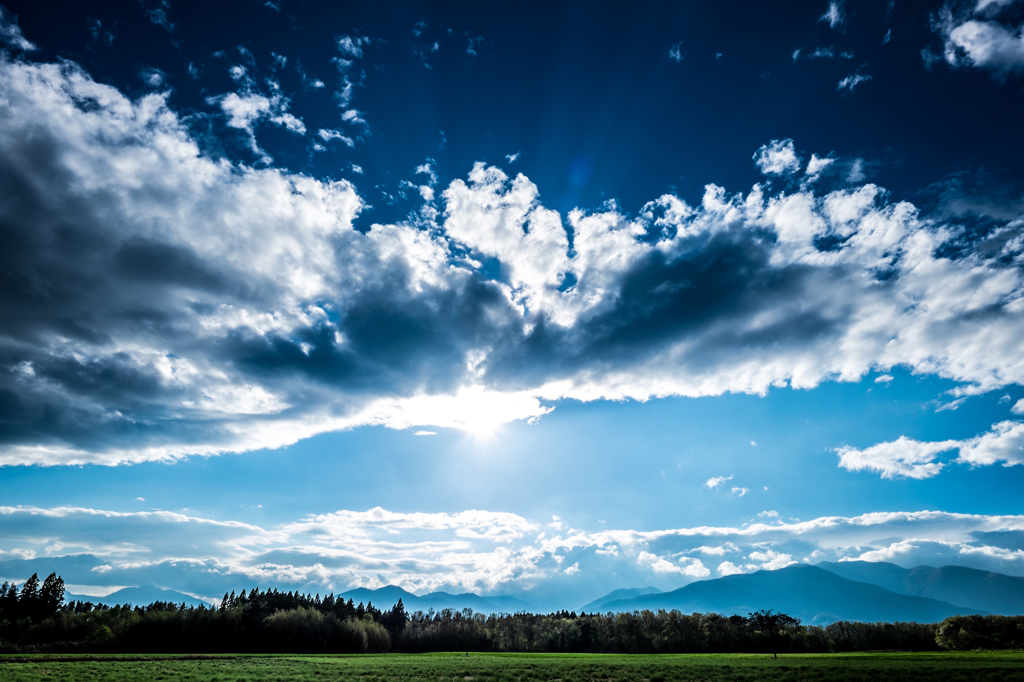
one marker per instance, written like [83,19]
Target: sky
[532,299]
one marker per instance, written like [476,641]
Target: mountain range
[818,594]
[386,597]
[618,595]
[137,596]
[827,592]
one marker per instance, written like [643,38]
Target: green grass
[875,667]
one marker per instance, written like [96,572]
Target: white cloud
[902,458]
[951,406]
[908,458]
[834,16]
[740,491]
[770,560]
[728,568]
[473,550]
[769,514]
[141,499]
[266,264]
[675,53]
[425,433]
[687,566]
[816,166]
[817,53]
[328,135]
[10,33]
[246,109]
[778,157]
[852,81]
[1003,444]
[716,481]
[883,379]
[352,47]
[984,44]
[1018,407]
[152,77]
[512,157]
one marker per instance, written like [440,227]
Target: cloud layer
[908,458]
[159,302]
[480,551]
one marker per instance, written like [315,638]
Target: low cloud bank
[477,551]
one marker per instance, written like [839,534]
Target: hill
[812,594]
[138,596]
[385,597]
[984,590]
[616,595]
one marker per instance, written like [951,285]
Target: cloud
[740,491]
[687,566]
[166,303]
[834,15]
[728,568]
[908,458]
[969,40]
[425,433]
[10,33]
[778,157]
[473,550]
[816,166]
[902,458]
[246,108]
[883,379]
[675,53]
[328,135]
[1018,407]
[817,53]
[352,47]
[152,77]
[158,12]
[716,481]
[852,81]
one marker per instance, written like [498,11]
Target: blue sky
[542,300]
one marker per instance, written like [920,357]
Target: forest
[36,619]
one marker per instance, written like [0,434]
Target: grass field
[874,667]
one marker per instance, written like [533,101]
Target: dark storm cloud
[158,302]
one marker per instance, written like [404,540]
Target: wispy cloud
[852,81]
[835,15]
[10,33]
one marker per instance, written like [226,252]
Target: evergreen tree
[51,595]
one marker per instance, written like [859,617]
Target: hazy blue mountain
[386,597]
[992,592]
[138,596]
[616,595]
[812,594]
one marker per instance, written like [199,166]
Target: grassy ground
[996,667]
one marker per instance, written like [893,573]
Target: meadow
[487,667]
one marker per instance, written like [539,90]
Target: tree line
[35,618]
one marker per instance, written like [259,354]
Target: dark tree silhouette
[773,626]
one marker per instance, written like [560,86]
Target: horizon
[539,302]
